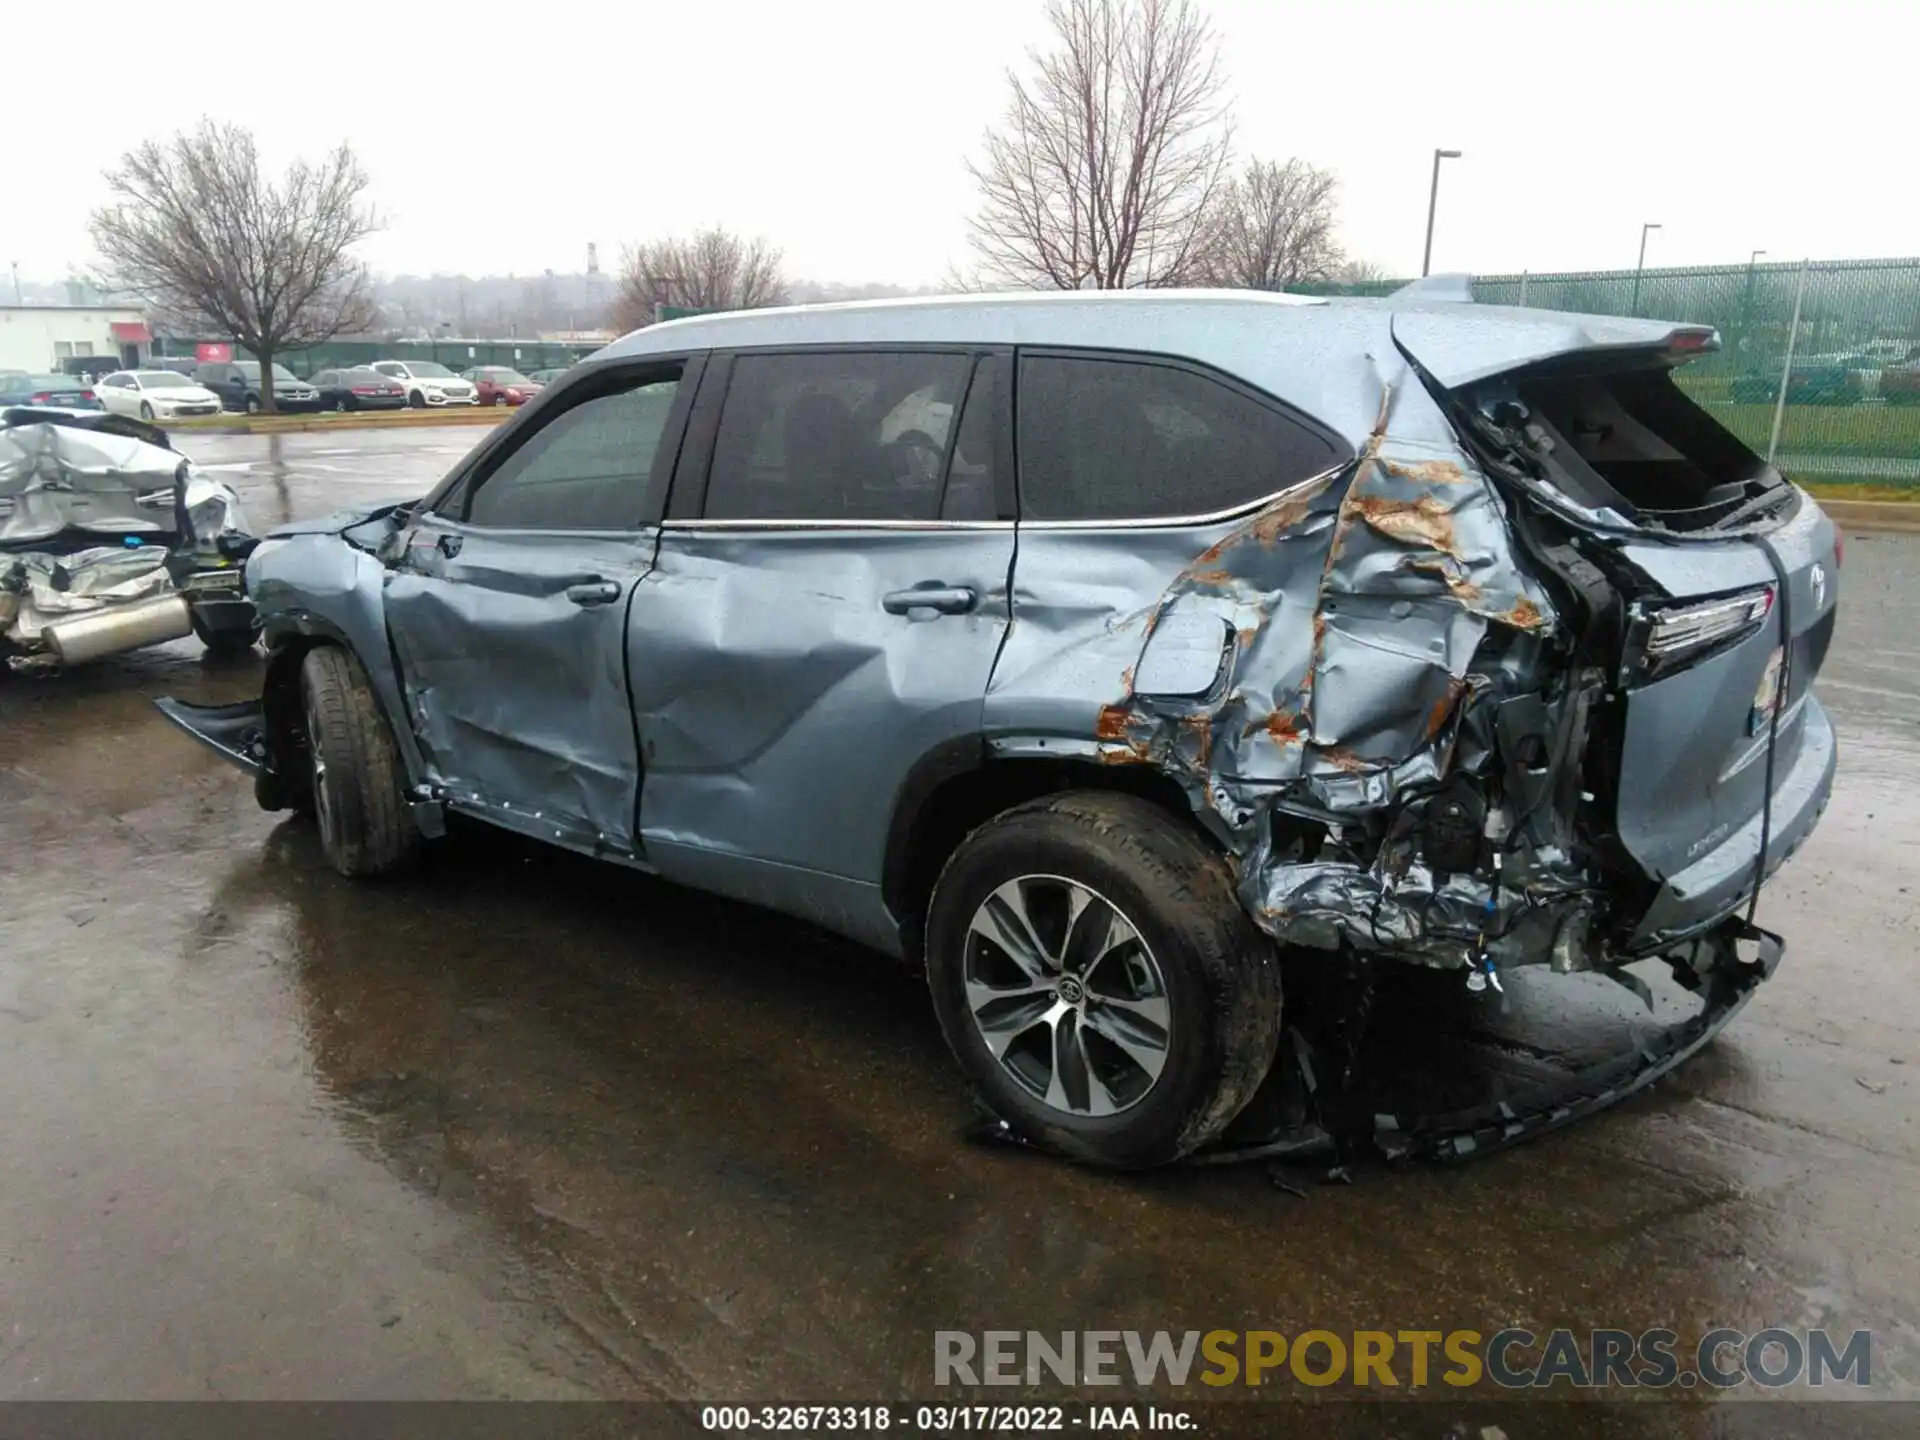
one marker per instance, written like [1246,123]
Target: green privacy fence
[1853,395]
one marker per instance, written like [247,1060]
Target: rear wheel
[1098,981]
[358,780]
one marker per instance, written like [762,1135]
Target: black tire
[253,404]
[417,400]
[346,402]
[1220,974]
[146,411]
[359,796]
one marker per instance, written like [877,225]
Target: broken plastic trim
[237,733]
[1725,980]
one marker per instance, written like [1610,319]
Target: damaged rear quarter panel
[1352,613]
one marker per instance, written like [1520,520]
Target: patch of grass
[1842,489]
[1882,431]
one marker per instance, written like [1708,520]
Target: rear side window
[585,469]
[835,436]
[1103,439]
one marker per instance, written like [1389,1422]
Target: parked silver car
[1117,656]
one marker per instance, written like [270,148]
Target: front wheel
[417,400]
[1098,981]
[146,411]
[253,404]
[358,782]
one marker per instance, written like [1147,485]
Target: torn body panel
[109,542]
[1323,667]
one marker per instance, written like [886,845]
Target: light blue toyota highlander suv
[1117,657]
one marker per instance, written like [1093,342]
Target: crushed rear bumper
[1320,1123]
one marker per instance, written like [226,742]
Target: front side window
[585,469]
[1102,439]
[859,435]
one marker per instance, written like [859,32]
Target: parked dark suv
[1115,656]
[237,383]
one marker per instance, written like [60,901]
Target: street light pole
[1433,202]
[1634,307]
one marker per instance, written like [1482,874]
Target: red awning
[130,332]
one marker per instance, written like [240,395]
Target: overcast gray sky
[502,138]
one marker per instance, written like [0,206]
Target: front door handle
[946,599]
[594,592]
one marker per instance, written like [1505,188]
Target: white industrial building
[42,338]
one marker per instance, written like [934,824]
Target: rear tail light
[1839,549]
[43,398]
[369,390]
[1681,634]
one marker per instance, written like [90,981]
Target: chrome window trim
[1148,522]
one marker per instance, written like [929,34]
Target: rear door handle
[594,592]
[946,599]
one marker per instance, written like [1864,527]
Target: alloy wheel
[317,770]
[1067,996]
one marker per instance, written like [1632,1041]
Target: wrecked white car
[1129,659]
[109,542]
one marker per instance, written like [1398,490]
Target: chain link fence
[1852,409]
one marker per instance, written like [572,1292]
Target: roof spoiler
[1437,290]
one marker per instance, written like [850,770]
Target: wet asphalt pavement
[526,1126]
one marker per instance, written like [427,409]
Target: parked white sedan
[429,383]
[155,395]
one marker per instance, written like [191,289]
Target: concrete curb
[356,420]
[1898,515]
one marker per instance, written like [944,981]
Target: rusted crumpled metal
[1371,612]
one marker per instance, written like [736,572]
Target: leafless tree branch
[1272,227]
[196,229]
[713,270]
[1105,170]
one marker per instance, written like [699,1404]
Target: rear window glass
[1103,439]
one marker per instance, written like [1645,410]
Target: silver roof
[1314,353]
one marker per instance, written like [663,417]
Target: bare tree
[713,270]
[212,243]
[1106,168]
[1272,227]
[1360,272]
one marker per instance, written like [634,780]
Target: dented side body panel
[323,580]
[1363,686]
[1314,660]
